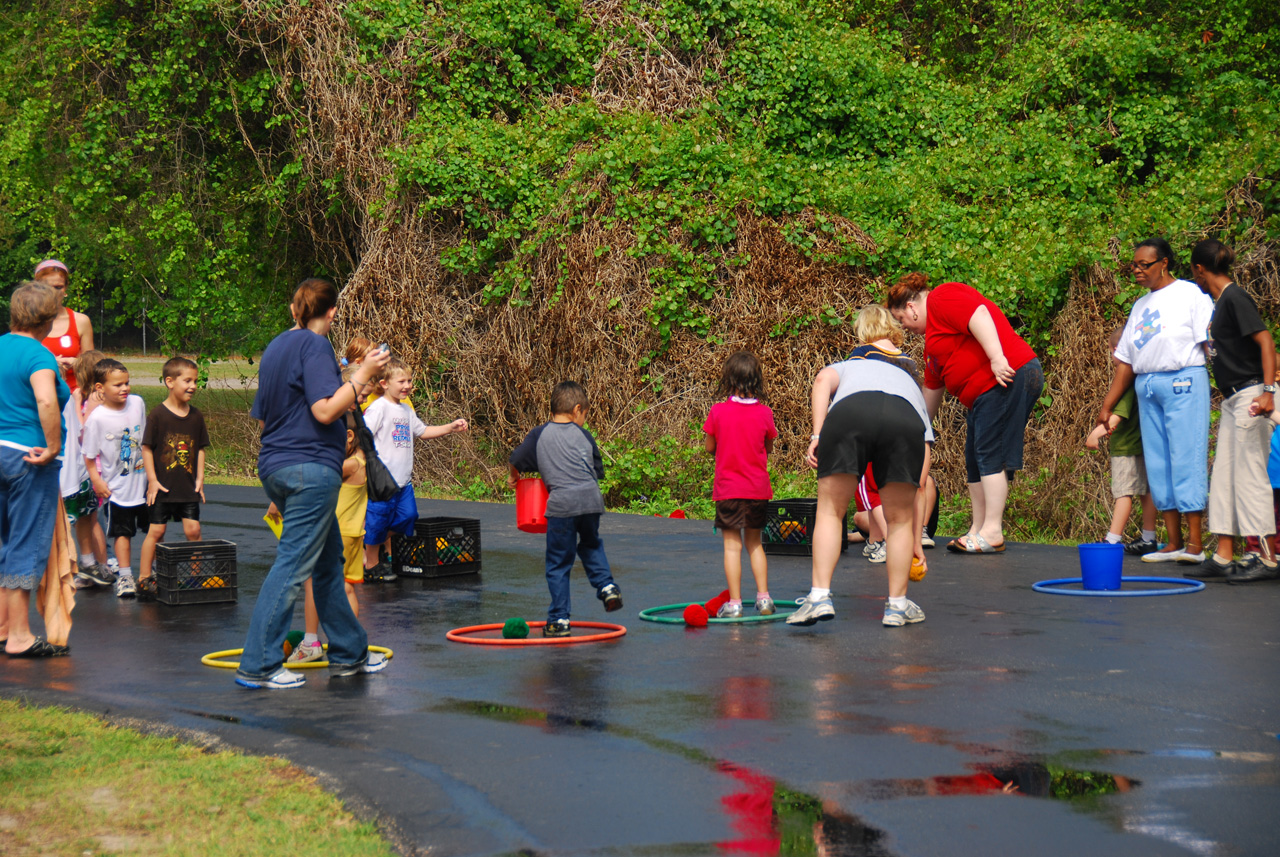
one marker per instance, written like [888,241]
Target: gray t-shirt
[567,458]
[862,376]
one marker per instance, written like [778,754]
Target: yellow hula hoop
[215,659]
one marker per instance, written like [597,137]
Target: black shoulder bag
[378,479]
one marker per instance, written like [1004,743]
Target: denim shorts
[28,509]
[997,424]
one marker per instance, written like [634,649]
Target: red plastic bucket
[531,505]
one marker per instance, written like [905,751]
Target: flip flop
[974,544]
[40,649]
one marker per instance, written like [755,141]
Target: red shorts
[868,492]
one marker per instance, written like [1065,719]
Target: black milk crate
[196,572]
[439,547]
[788,527]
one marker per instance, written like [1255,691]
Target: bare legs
[733,543]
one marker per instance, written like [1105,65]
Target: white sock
[310,639]
[815,593]
[127,571]
[1113,539]
[898,603]
[86,560]
[1148,535]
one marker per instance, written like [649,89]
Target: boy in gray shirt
[566,456]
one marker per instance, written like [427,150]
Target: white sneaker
[926,541]
[1185,558]
[879,552]
[281,680]
[1167,556]
[764,605]
[125,587]
[909,615]
[376,663]
[306,653]
[811,612]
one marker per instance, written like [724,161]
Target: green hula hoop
[651,615]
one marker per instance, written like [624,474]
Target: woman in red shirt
[972,352]
[72,332]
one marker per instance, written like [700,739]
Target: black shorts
[741,514]
[124,521]
[873,428]
[997,423]
[163,511]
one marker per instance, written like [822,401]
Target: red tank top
[66,345]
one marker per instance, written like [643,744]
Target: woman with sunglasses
[1162,354]
[72,333]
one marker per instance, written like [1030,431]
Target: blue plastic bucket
[1100,565]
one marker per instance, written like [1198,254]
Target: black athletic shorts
[873,428]
[125,521]
[162,512]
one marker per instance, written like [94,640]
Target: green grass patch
[73,784]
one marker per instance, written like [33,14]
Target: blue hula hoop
[1182,586]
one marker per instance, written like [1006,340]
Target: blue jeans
[1173,409]
[307,497]
[28,507]
[565,537]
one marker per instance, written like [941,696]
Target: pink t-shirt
[740,430]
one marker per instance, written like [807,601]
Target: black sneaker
[1138,547]
[556,628]
[611,595]
[1252,567]
[380,572]
[1211,569]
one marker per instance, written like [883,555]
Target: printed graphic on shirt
[178,452]
[1148,328]
[400,434]
[130,448]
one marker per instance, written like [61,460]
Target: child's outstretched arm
[440,431]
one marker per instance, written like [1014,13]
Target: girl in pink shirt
[740,431]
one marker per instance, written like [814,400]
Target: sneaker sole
[813,620]
[904,622]
[262,685]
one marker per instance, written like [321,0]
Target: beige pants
[1239,491]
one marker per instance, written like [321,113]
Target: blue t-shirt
[20,358]
[297,370]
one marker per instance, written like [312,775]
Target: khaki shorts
[1128,476]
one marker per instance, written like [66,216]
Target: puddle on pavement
[771,819]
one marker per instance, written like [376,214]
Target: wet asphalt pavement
[1125,726]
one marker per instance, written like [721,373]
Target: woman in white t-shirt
[1162,354]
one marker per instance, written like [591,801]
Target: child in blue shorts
[566,456]
[394,425]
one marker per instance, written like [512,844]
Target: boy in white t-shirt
[112,449]
[394,425]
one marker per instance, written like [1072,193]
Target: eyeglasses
[1142,266]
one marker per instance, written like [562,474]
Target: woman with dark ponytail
[1244,369]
